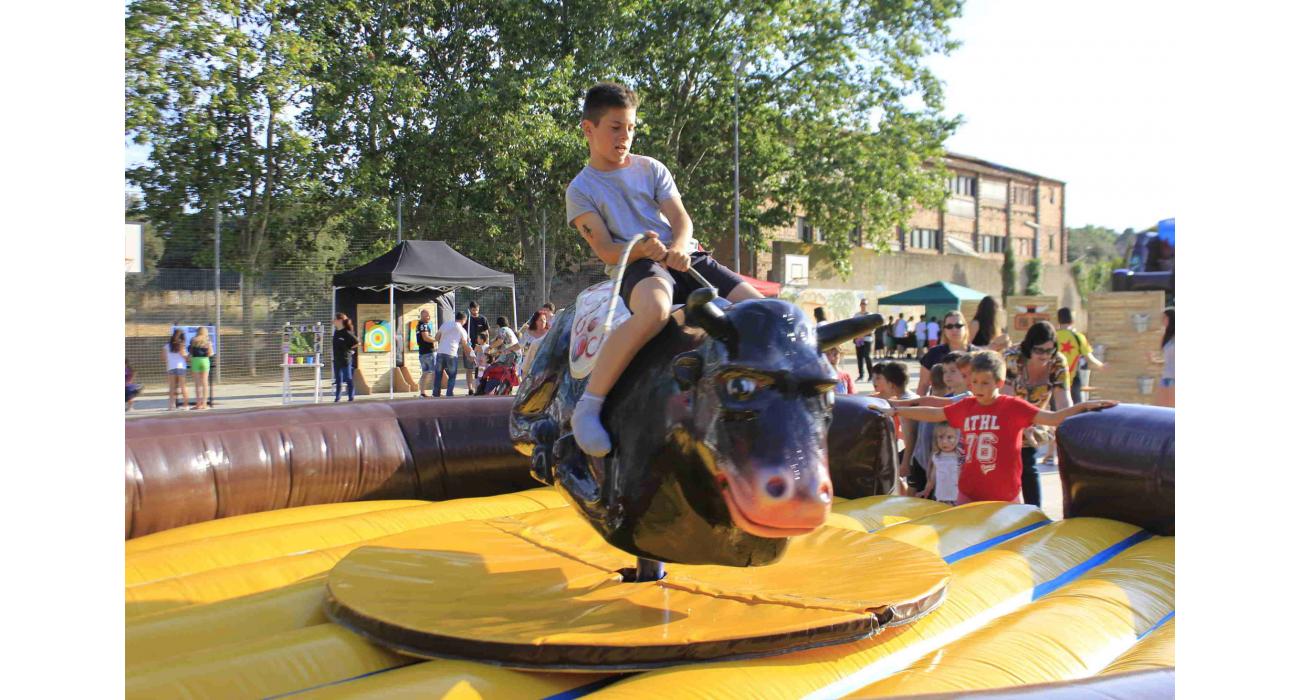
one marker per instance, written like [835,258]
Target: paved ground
[267,393]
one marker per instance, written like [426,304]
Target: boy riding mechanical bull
[617,196]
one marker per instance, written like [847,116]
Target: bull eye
[741,388]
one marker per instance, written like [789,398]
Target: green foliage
[1033,277]
[1008,272]
[304,120]
[1093,277]
[1093,243]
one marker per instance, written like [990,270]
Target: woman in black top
[345,345]
[956,338]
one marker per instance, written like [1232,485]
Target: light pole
[740,66]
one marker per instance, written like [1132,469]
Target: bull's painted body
[719,436]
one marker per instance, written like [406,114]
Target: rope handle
[618,283]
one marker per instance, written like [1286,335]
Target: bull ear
[705,314]
[832,334]
[687,368]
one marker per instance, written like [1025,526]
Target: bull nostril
[824,493]
[777,487]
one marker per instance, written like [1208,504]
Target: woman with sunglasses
[956,338]
[1036,372]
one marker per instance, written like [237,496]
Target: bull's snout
[779,502]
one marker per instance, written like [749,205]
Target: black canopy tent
[420,266]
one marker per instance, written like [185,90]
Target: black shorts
[682,283]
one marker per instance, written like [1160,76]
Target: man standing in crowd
[932,332]
[452,339]
[424,340]
[863,346]
[900,336]
[920,335]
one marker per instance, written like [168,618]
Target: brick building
[989,207]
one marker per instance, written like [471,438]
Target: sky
[1076,91]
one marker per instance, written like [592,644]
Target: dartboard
[377,337]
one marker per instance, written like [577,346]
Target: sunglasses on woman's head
[954,326]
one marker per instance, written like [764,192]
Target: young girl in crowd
[843,382]
[947,385]
[201,355]
[177,361]
[937,385]
[945,465]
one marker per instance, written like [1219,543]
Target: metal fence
[253,311]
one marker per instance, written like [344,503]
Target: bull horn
[701,309]
[832,334]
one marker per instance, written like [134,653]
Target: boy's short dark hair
[482,336]
[502,322]
[956,357]
[473,305]
[604,96]
[548,305]
[894,373]
[991,362]
[460,315]
[1064,315]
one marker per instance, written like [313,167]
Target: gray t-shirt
[626,199]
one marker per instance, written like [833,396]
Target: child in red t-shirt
[991,425]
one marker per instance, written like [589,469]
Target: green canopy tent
[938,298]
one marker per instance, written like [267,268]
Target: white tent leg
[514,309]
[392,345]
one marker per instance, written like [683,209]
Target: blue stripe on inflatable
[341,680]
[1157,625]
[986,544]
[586,689]
[1097,559]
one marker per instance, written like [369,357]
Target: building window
[992,244]
[1023,194]
[1051,195]
[805,230]
[1051,241]
[993,192]
[857,234]
[961,186]
[1024,247]
[960,207]
[923,238]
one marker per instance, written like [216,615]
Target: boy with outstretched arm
[615,197]
[991,425]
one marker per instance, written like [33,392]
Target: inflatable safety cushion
[462,446]
[189,469]
[1119,464]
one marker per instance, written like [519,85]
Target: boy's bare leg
[651,300]
[743,291]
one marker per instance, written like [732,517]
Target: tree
[303,121]
[1093,243]
[1008,273]
[1033,277]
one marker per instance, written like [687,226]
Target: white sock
[587,430]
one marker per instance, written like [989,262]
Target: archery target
[377,337]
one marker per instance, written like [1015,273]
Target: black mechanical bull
[719,432]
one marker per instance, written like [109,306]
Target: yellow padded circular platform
[544,590]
